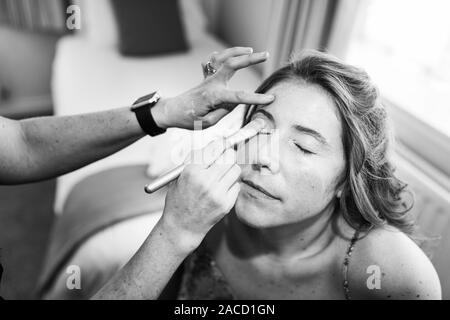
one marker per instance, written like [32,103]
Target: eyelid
[307,151]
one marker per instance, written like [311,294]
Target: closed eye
[303,149]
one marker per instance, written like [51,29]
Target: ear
[339,193]
[340,187]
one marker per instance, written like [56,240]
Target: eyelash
[268,132]
[303,150]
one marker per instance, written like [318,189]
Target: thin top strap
[348,254]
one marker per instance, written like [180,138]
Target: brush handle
[161,181]
[245,133]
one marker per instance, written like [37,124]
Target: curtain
[35,15]
[323,25]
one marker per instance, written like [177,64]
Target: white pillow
[99,24]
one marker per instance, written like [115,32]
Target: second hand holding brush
[247,132]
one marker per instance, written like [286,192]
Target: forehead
[307,105]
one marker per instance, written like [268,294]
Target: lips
[259,188]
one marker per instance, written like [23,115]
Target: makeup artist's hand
[211,100]
[203,194]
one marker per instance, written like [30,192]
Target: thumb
[215,115]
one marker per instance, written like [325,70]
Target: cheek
[309,191]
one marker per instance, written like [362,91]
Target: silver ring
[208,69]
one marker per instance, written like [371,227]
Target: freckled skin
[305,183]
[285,247]
[305,188]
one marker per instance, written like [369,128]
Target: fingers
[231,177]
[222,165]
[214,116]
[219,168]
[233,192]
[231,65]
[230,60]
[217,58]
[231,52]
[234,98]
[216,152]
[250,130]
[211,153]
[222,172]
[232,195]
[237,63]
[226,172]
[220,152]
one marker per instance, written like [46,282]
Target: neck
[301,239]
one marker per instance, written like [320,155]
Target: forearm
[51,146]
[146,275]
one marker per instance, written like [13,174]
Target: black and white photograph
[223,150]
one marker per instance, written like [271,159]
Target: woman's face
[292,173]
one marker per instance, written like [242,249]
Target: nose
[262,153]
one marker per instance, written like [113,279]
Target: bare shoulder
[387,264]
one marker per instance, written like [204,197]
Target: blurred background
[65,57]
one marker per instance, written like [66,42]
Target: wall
[238,23]
[245,22]
[25,61]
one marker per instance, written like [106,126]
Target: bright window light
[405,47]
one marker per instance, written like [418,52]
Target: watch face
[155,97]
[150,99]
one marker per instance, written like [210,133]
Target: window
[405,47]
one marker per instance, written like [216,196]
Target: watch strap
[144,115]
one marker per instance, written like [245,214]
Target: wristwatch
[142,108]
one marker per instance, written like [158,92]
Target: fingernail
[250,50]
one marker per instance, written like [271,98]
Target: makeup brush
[247,132]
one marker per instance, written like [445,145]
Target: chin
[256,214]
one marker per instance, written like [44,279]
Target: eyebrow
[300,128]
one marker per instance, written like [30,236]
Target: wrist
[160,114]
[184,241]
